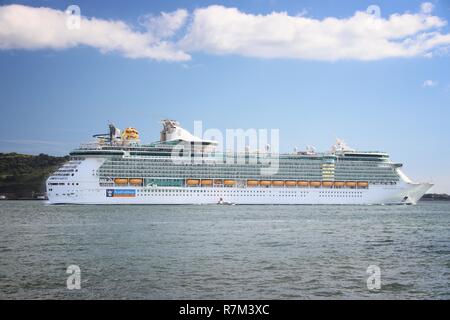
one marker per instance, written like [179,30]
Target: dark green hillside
[23,176]
[436,197]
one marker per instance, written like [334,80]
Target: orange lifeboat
[339,184]
[265,183]
[207,182]
[278,183]
[121,181]
[327,184]
[351,184]
[252,183]
[302,183]
[291,183]
[192,182]
[363,184]
[315,184]
[136,181]
[229,182]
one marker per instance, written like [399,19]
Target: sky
[374,73]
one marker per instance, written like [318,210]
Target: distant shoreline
[435,197]
[21,199]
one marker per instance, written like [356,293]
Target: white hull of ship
[402,193]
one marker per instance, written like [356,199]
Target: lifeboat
[252,183]
[136,182]
[229,182]
[278,183]
[218,181]
[192,182]
[302,183]
[291,183]
[207,182]
[350,184]
[339,184]
[363,184]
[265,183]
[121,181]
[327,184]
[315,184]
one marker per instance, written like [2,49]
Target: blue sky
[53,99]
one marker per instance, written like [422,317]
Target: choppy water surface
[224,252]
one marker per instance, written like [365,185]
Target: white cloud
[429,83]
[221,30]
[426,7]
[23,27]
[167,24]
[302,13]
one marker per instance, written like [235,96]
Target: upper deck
[167,150]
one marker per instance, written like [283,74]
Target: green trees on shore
[23,176]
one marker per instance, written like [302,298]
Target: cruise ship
[118,169]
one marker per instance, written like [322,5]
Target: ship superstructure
[183,169]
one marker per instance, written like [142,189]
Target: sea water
[223,252]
